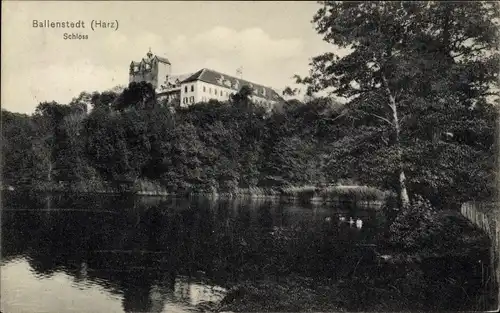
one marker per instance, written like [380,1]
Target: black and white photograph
[250,156]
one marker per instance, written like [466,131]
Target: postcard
[248,156]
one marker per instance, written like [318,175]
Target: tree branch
[377,116]
[402,119]
[469,51]
[339,116]
[459,40]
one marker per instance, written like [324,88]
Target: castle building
[203,85]
[152,69]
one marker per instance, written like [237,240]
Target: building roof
[163,59]
[172,83]
[150,57]
[227,81]
[173,78]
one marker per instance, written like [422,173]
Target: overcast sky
[272,41]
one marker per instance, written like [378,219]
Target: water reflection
[127,254]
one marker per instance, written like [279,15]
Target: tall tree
[48,119]
[404,57]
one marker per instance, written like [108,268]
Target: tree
[403,57]
[119,144]
[81,103]
[48,119]
[138,95]
[105,100]
[160,131]
[242,99]
[18,159]
[184,171]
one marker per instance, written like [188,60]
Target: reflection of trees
[140,249]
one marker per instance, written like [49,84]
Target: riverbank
[363,196]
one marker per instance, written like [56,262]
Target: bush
[415,225]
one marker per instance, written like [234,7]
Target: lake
[94,253]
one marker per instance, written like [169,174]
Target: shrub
[415,225]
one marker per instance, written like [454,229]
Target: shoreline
[374,198]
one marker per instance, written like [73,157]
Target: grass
[350,192]
[252,192]
[146,187]
[306,192]
[303,294]
[290,294]
[309,192]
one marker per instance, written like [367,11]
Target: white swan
[359,223]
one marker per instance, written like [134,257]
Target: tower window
[192,87]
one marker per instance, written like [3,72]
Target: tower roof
[150,57]
[163,60]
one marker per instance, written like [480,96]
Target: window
[192,87]
[210,90]
[191,99]
[185,88]
[204,89]
[215,91]
[185,100]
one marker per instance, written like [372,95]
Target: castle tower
[152,69]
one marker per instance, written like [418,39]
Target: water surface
[68,253]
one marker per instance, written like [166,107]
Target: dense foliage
[418,119]
[214,146]
[417,75]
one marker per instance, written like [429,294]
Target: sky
[271,40]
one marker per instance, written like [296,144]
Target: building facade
[203,85]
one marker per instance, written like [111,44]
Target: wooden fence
[486,216]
